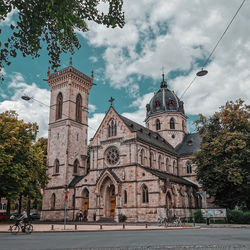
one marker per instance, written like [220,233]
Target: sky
[177,35]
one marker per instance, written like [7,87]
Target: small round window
[112,155]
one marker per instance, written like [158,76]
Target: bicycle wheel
[14,229]
[29,229]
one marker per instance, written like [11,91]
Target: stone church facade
[141,172]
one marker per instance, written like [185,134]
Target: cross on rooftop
[111,100]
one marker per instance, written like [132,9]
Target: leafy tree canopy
[53,22]
[22,164]
[223,162]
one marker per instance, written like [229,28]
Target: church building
[142,172]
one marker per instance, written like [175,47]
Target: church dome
[164,100]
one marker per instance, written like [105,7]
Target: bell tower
[165,115]
[67,135]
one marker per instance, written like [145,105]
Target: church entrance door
[112,206]
[85,206]
[110,203]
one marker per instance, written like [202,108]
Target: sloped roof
[75,180]
[190,144]
[167,176]
[146,135]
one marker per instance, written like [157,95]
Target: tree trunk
[20,204]
[8,208]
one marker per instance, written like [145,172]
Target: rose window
[112,155]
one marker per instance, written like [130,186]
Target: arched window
[125,197]
[56,165]
[79,108]
[189,167]
[53,202]
[183,125]
[59,104]
[172,124]
[159,162]
[144,194]
[157,124]
[167,164]
[151,159]
[112,128]
[76,166]
[142,156]
[174,165]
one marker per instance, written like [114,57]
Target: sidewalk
[4,228]
[59,227]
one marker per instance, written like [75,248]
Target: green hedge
[238,217]
[198,216]
[233,217]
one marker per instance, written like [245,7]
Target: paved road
[177,239]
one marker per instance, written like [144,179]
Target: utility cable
[205,63]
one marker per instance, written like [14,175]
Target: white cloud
[94,123]
[9,19]
[176,34]
[29,111]
[91,108]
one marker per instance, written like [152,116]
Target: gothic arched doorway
[110,201]
[85,202]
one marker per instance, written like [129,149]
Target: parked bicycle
[162,220]
[173,221]
[20,227]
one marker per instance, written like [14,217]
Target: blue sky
[127,63]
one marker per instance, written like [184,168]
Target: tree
[223,162]
[22,166]
[54,22]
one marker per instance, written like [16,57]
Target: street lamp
[202,72]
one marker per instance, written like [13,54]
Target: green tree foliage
[224,159]
[22,165]
[54,23]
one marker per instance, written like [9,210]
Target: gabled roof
[111,172]
[190,144]
[170,177]
[146,135]
[75,180]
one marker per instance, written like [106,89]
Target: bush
[238,217]
[198,216]
[122,217]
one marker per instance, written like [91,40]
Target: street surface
[204,238]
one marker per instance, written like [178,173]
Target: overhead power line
[206,61]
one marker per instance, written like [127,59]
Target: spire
[163,83]
[70,62]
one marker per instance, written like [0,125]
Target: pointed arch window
[174,165]
[53,201]
[56,165]
[76,166]
[157,124]
[151,158]
[125,197]
[172,123]
[112,128]
[142,156]
[79,108]
[59,104]
[144,194]
[167,164]
[159,162]
[189,167]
